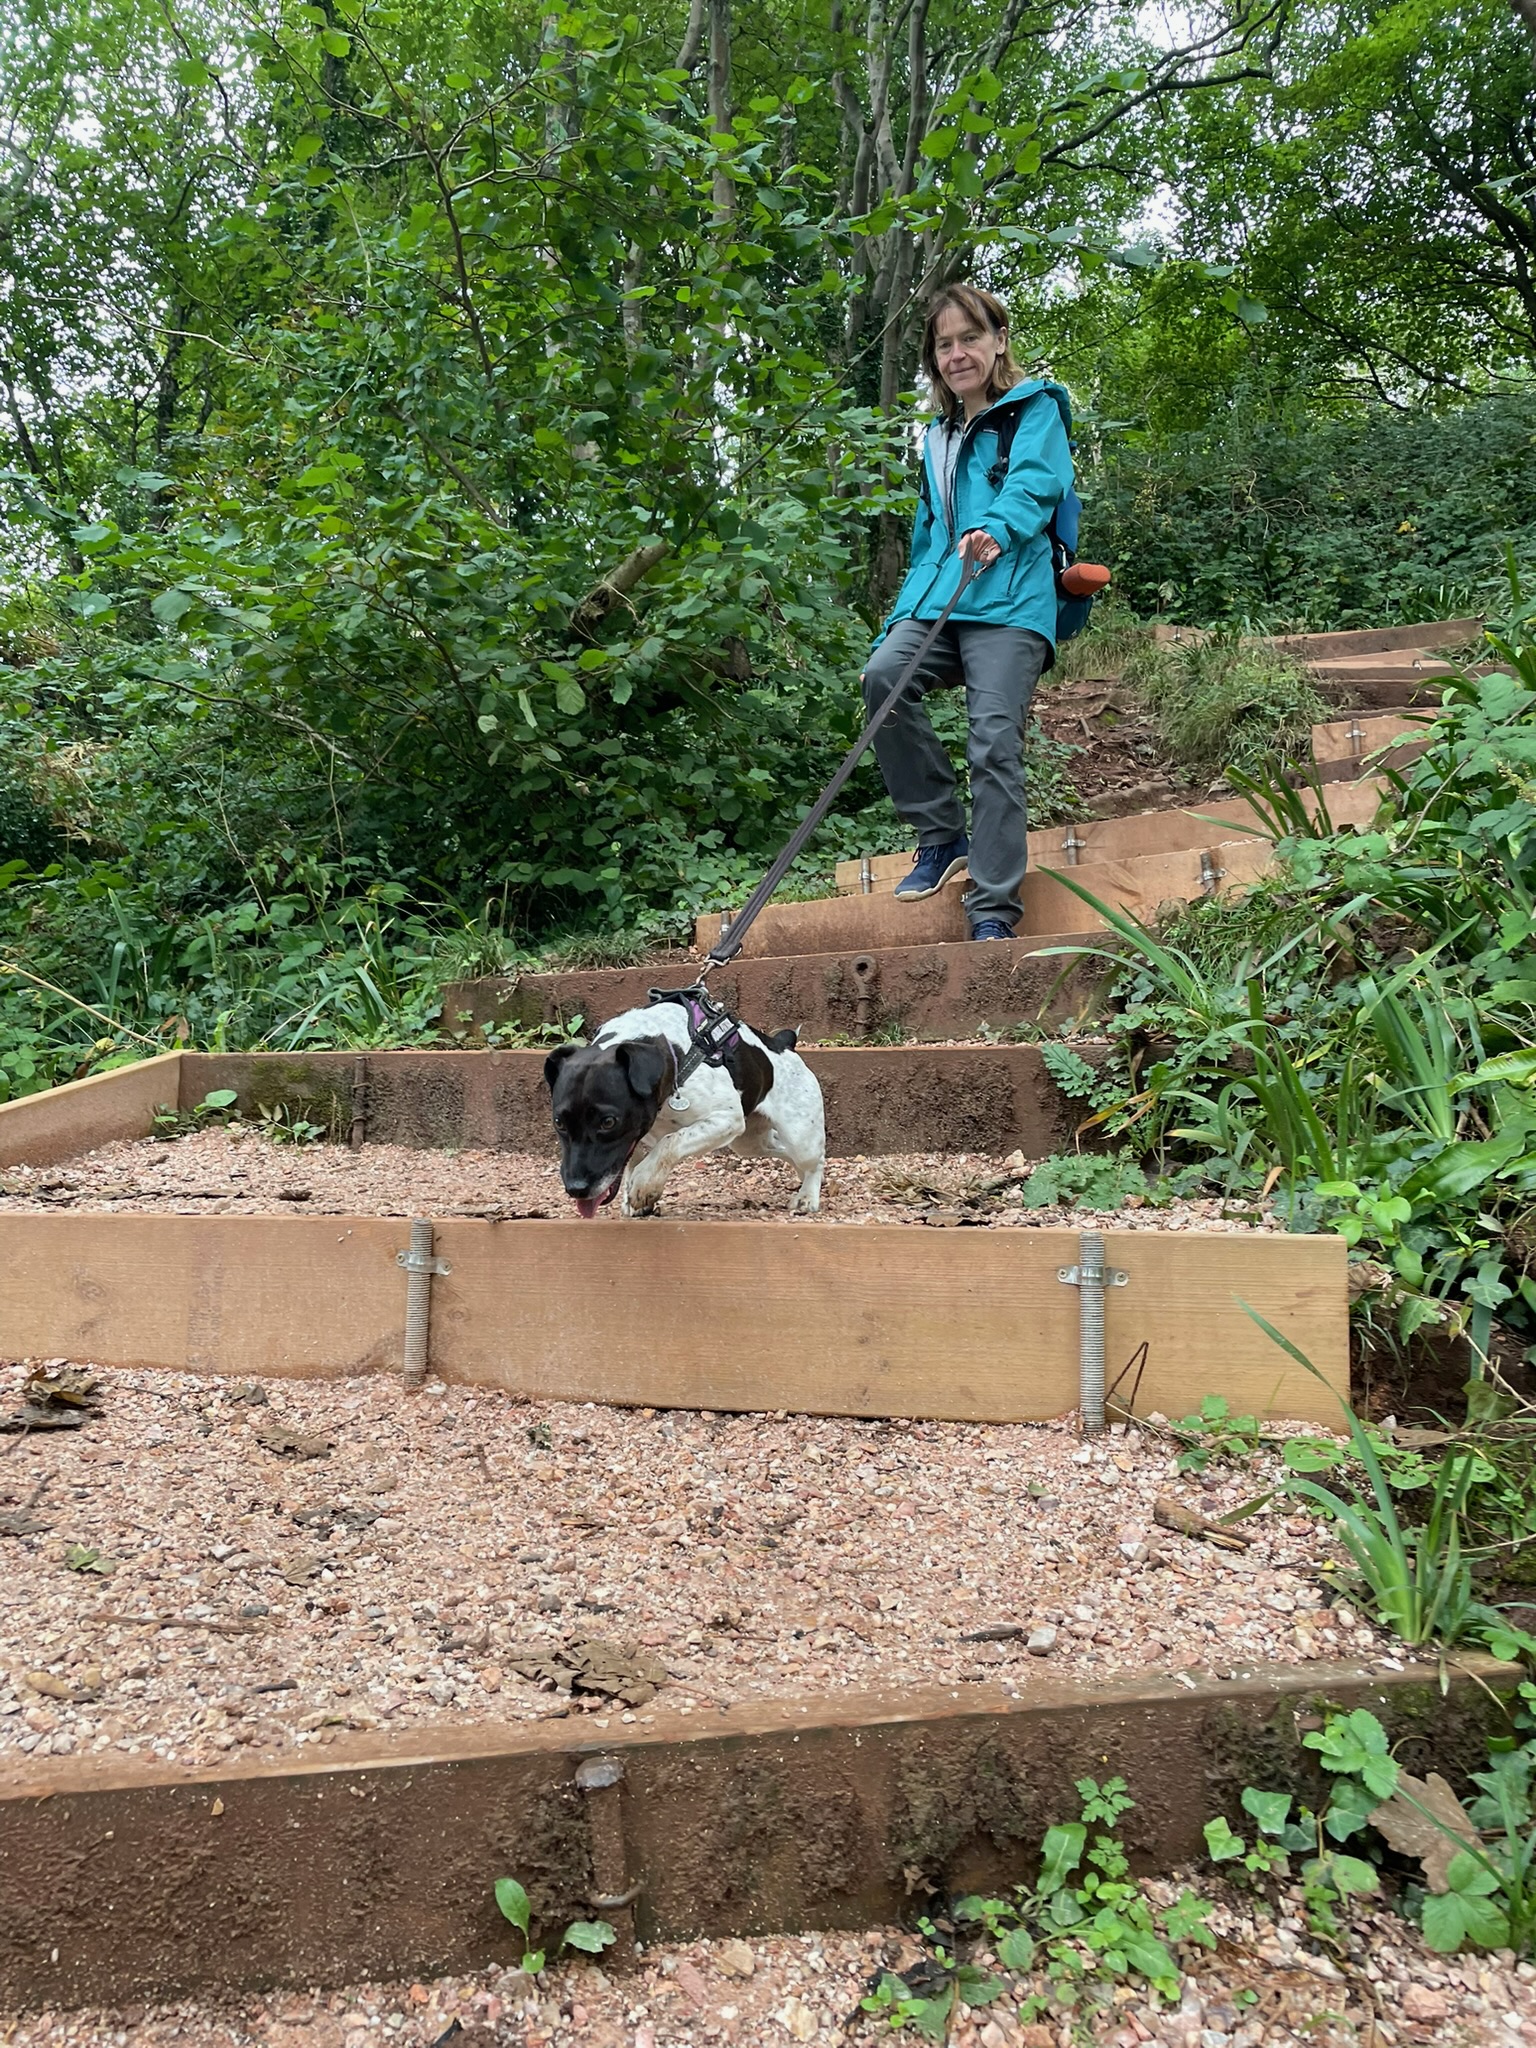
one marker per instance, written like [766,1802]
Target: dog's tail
[782,1041]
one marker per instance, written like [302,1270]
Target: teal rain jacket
[1020,587]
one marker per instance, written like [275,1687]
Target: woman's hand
[979,547]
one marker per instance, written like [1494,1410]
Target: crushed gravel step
[202,1586]
[236,1171]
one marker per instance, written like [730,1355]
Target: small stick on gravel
[1171,1515]
[218,1628]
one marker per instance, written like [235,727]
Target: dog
[623,1122]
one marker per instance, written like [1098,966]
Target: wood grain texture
[296,1296]
[1130,838]
[61,1123]
[836,1319]
[943,991]
[1141,886]
[1363,735]
[990,1098]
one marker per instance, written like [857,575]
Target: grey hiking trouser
[1000,666]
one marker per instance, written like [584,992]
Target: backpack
[1073,607]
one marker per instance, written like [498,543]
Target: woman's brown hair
[992,314]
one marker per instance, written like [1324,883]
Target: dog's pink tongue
[587,1208]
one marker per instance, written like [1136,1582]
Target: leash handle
[730,941]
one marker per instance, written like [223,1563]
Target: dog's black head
[605,1098]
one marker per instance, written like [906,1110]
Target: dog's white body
[706,1115]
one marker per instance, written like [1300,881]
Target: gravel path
[238,1172]
[447,1537]
[1267,1986]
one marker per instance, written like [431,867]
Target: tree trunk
[720,99]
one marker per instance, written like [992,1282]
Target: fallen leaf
[285,1442]
[1413,1833]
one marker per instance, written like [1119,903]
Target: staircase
[859,964]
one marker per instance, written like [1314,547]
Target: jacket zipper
[954,473]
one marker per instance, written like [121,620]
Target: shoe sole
[956,867]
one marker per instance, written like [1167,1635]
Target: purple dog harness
[713,1033]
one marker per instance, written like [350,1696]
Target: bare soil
[193,1589]
[1124,765]
[236,1171]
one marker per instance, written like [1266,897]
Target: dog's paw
[809,1206]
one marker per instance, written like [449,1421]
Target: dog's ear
[556,1061]
[648,1063]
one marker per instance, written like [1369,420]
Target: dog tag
[677,1102]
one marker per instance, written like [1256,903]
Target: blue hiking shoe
[991,928]
[932,867]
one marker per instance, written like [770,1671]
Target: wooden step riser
[1097,840]
[991,1099]
[820,1318]
[372,1859]
[1432,636]
[1369,740]
[1142,887]
[932,992]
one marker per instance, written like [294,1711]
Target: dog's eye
[560,1125]
[609,1123]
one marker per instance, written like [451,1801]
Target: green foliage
[1084,1928]
[1355,1035]
[1221,703]
[1087,1180]
[1310,522]
[1215,1433]
[590,1937]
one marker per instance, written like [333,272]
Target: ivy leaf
[1222,1845]
[1270,1809]
[590,1936]
[1466,1912]
[1016,1950]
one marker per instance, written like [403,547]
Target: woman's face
[966,351]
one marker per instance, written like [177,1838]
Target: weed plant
[1223,701]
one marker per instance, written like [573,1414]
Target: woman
[1002,634]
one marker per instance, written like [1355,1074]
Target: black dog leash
[730,941]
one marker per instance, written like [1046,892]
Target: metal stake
[1090,1276]
[612,1894]
[420,1265]
[866,875]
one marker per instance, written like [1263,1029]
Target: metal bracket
[1072,846]
[1210,874]
[415,1261]
[1097,1276]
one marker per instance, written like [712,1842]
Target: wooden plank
[880,1319]
[989,1098]
[1362,737]
[836,1319]
[370,1858]
[1128,838]
[295,1296]
[1141,886]
[1432,635]
[941,992]
[61,1123]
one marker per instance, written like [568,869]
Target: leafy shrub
[1317,522]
